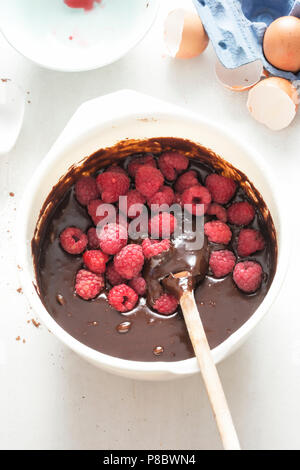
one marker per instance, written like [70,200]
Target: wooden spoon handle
[209,372]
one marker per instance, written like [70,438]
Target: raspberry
[177,198]
[154,247]
[129,261]
[112,276]
[86,190]
[249,242]
[148,180]
[112,185]
[112,238]
[93,210]
[248,276]
[222,189]
[93,238]
[95,261]
[165,195]
[217,232]
[85,4]
[121,220]
[122,297]
[100,221]
[185,181]
[240,213]
[218,211]
[73,240]
[88,285]
[172,163]
[116,169]
[199,197]
[166,304]
[162,225]
[134,197]
[138,284]
[222,262]
[137,162]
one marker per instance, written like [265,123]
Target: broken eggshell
[239,79]
[273,102]
[184,34]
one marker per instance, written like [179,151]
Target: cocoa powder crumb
[18,338]
[20,290]
[12,194]
[35,323]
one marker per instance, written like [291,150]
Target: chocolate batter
[142,334]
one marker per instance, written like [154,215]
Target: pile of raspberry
[215,197]
[247,273]
[110,260]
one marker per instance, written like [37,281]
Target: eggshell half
[273,102]
[239,79]
[184,34]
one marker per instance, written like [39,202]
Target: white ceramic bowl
[71,40]
[102,123]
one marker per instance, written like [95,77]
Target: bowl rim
[115,364]
[94,65]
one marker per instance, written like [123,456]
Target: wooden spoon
[208,369]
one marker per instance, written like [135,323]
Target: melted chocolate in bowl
[142,334]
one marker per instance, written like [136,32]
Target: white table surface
[52,399]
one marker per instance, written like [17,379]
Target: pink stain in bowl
[86,4]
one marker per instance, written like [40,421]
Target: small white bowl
[102,123]
[58,37]
[12,109]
